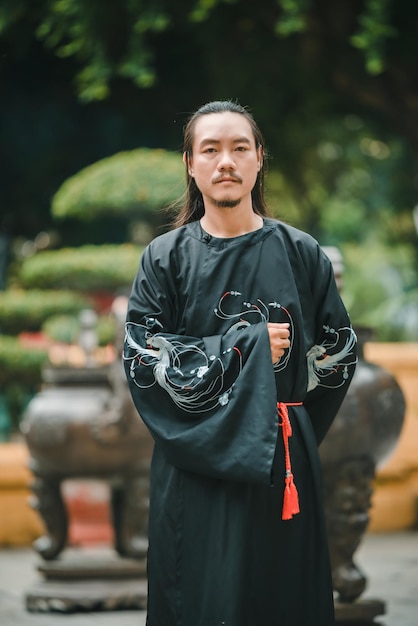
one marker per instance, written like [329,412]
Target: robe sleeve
[209,402]
[331,360]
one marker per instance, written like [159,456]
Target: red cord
[291,497]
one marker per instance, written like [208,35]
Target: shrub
[87,268]
[19,363]
[379,290]
[133,183]
[66,328]
[20,378]
[27,310]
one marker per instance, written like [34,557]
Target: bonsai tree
[85,269]
[27,310]
[137,184]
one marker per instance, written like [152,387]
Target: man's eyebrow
[208,140]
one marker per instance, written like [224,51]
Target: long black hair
[190,207]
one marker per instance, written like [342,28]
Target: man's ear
[260,157]
[187,163]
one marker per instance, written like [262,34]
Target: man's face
[225,161]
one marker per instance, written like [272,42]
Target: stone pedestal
[359,613]
[89,580]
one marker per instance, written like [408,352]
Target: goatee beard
[227,204]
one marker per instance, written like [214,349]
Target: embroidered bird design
[322,363]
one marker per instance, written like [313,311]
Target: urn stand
[360,439]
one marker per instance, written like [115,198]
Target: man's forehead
[220,126]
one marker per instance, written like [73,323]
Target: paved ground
[390,563]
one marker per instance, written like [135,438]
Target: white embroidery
[259,309]
[262,311]
[203,387]
[165,357]
[322,362]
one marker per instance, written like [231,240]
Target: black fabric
[198,360]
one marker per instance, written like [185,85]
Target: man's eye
[210,150]
[241,148]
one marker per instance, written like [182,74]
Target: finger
[279,330]
[277,355]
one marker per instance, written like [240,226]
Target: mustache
[221,177]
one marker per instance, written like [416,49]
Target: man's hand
[279,340]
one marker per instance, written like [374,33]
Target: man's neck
[230,222]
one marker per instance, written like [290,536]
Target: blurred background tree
[334,86]
[134,184]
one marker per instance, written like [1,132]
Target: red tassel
[291,496]
[290,499]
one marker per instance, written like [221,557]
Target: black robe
[198,360]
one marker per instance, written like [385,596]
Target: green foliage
[66,329]
[373,33]
[111,41]
[282,201]
[61,328]
[87,268]
[20,377]
[19,364]
[133,183]
[294,17]
[90,32]
[347,185]
[201,9]
[86,30]
[13,402]
[344,196]
[27,310]
[379,290]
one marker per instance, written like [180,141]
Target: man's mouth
[227,179]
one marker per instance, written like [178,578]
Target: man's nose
[226,160]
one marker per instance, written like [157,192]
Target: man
[239,352]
